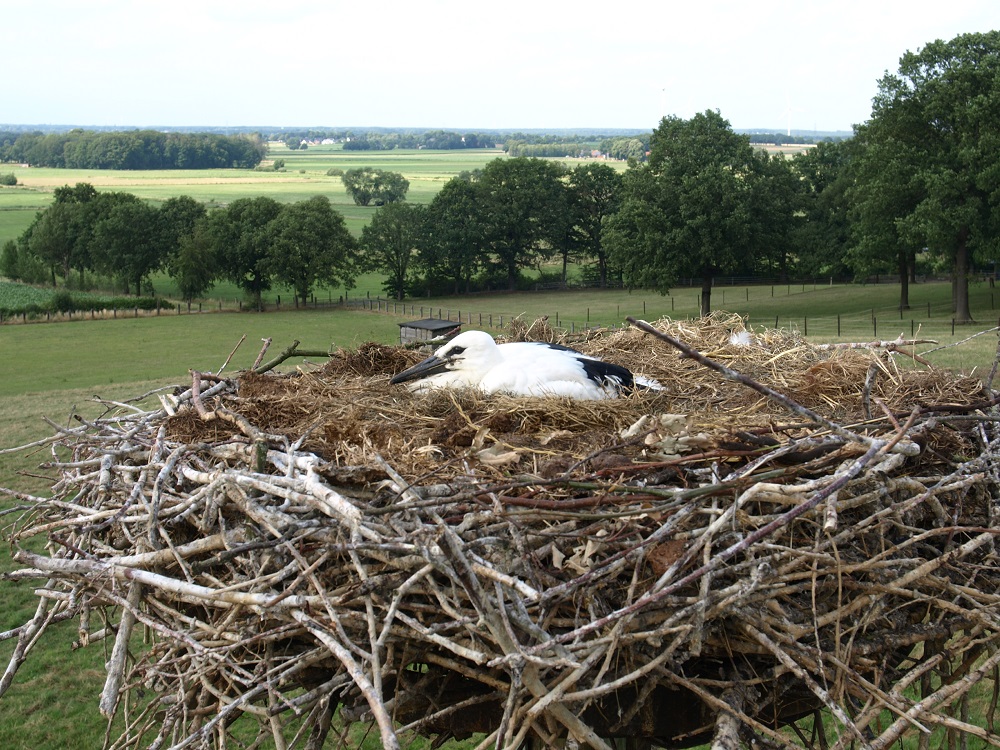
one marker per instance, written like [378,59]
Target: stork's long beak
[430,366]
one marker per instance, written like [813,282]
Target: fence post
[838,325]
[874,327]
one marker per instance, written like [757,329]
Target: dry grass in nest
[808,529]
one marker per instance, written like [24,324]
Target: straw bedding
[784,536]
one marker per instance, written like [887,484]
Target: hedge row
[64,302]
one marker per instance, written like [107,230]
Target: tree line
[253,242]
[132,149]
[918,184]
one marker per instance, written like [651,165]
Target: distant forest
[132,149]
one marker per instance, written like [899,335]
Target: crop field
[304,175]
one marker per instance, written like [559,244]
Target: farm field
[303,177]
[53,370]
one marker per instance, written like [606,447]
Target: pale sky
[465,65]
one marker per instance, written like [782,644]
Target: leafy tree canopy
[699,207]
[523,205]
[391,243]
[935,131]
[367,185]
[308,243]
[238,237]
[136,149]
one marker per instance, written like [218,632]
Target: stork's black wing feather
[601,372]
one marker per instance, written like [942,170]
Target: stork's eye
[454,351]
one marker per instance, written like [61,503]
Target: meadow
[52,371]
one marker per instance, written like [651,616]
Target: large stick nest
[811,537]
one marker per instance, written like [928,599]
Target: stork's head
[463,361]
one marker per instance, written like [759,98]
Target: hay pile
[715,561]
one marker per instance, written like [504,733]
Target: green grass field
[303,177]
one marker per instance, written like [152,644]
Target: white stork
[474,360]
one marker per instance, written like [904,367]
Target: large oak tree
[524,207]
[595,193]
[239,239]
[706,203]
[934,138]
[308,244]
[390,244]
[452,250]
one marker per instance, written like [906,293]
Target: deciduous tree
[824,236]
[309,244]
[700,207]
[367,185]
[453,248]
[125,241]
[54,236]
[523,207]
[941,113]
[239,240]
[391,242]
[193,263]
[595,194]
